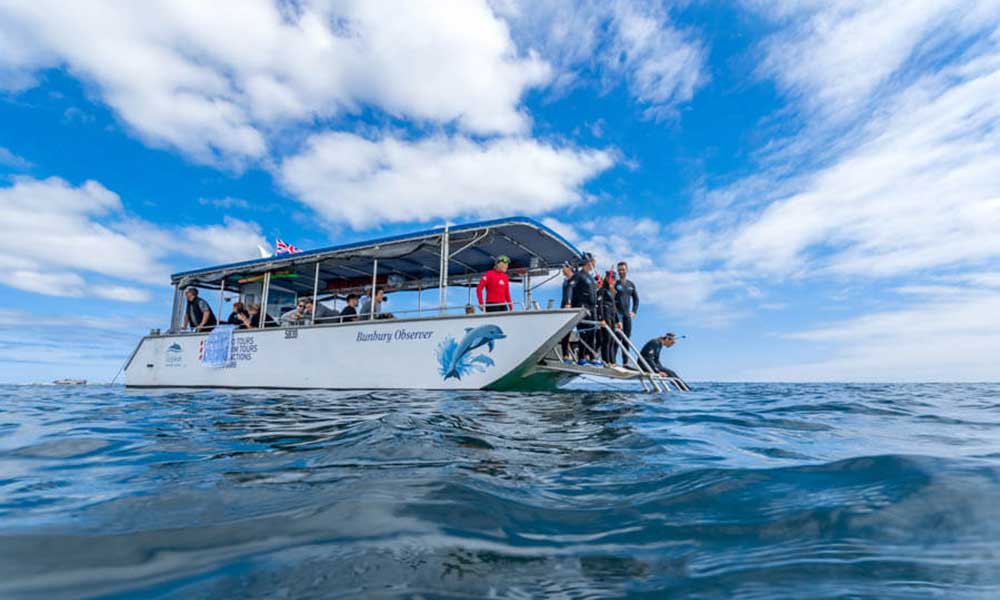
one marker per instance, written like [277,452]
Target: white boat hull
[496,350]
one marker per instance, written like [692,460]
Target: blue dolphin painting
[474,338]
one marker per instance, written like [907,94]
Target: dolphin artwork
[475,337]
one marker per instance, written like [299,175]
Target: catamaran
[428,347]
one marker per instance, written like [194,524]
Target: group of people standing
[612,301]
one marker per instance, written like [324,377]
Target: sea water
[731,491]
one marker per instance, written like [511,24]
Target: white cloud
[661,64]
[914,189]
[9,159]
[347,178]
[215,79]
[836,56]
[893,177]
[52,234]
[675,291]
[953,334]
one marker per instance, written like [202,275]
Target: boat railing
[632,354]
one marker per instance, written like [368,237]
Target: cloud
[183,75]
[227,202]
[53,233]
[348,178]
[835,57]
[9,159]
[661,64]
[913,189]
[895,183]
[948,334]
[675,291]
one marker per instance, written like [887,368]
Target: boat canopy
[409,261]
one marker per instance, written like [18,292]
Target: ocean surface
[731,491]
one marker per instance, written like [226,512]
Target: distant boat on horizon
[70,382]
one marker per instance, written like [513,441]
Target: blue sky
[807,190]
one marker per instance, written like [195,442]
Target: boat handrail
[425,313]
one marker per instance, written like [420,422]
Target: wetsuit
[627,300]
[497,287]
[566,301]
[607,311]
[651,352]
[196,312]
[583,294]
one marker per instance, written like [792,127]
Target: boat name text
[400,335]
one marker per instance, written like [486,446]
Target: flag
[281,247]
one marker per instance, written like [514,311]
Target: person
[497,286]
[627,299]
[566,302]
[584,295]
[254,321]
[198,315]
[651,353]
[239,316]
[297,316]
[350,312]
[366,308]
[607,315]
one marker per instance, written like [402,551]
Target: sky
[807,190]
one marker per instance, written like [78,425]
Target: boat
[431,346]
[70,382]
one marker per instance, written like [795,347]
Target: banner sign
[217,348]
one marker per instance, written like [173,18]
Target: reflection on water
[730,491]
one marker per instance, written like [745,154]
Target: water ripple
[735,490]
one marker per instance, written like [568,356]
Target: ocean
[730,491]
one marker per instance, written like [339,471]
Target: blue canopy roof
[413,258]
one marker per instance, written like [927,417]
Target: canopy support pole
[420,294]
[527,290]
[222,293]
[315,297]
[263,300]
[371,310]
[175,319]
[443,282]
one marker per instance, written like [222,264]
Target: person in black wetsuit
[583,294]
[566,302]
[651,352]
[627,300]
[607,314]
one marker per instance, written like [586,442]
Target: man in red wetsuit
[497,288]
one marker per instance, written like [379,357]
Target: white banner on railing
[217,348]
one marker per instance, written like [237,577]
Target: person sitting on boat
[651,353]
[584,295]
[607,315]
[298,316]
[497,286]
[366,308]
[350,312]
[239,316]
[199,315]
[254,322]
